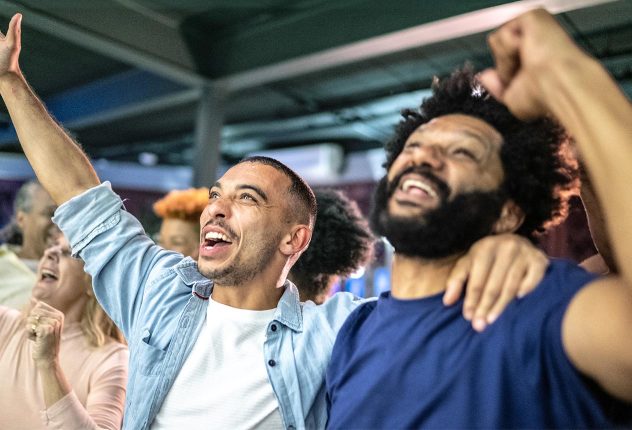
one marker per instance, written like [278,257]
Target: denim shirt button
[273,327]
[272,363]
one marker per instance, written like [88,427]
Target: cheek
[398,165]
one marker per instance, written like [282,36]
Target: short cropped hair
[24,197]
[299,190]
[538,175]
[342,243]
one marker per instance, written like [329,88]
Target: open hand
[496,269]
[10,46]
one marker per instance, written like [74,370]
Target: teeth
[214,235]
[48,274]
[408,183]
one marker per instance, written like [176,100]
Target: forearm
[63,409]
[69,414]
[58,162]
[599,117]
[54,383]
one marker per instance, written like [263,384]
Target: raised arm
[59,163]
[540,71]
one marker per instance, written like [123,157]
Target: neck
[415,278]
[258,294]
[75,312]
[28,253]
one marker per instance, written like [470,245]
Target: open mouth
[215,238]
[418,188]
[49,275]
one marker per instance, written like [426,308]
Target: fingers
[43,320]
[508,292]
[491,81]
[534,273]
[456,280]
[42,308]
[15,27]
[479,271]
[504,44]
[493,286]
[498,269]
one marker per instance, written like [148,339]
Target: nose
[430,155]
[218,208]
[52,253]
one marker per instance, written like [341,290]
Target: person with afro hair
[465,167]
[341,244]
[180,211]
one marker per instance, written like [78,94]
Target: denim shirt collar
[188,272]
[288,310]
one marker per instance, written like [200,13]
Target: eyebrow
[466,134]
[254,188]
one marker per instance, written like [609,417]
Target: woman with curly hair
[341,244]
[63,362]
[180,211]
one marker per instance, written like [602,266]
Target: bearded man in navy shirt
[463,167]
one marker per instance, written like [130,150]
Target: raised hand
[43,326]
[525,50]
[496,269]
[10,45]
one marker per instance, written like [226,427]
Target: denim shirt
[159,300]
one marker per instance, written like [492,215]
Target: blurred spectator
[180,211]
[63,358]
[341,244]
[24,243]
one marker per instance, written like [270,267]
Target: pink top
[97,377]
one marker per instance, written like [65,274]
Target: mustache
[443,189]
[222,224]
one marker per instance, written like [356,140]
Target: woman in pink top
[63,363]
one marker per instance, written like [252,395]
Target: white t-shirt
[224,383]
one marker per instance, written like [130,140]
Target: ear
[296,240]
[511,218]
[19,218]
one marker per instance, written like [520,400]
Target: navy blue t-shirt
[416,363]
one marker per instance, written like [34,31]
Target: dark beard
[450,229]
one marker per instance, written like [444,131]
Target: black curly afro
[341,243]
[539,176]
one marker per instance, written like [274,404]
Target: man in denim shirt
[251,355]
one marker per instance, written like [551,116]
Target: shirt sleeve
[105,402]
[117,253]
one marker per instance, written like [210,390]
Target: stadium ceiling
[127,77]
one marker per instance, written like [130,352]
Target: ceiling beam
[124,95]
[411,38]
[104,46]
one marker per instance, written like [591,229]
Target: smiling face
[243,225]
[442,191]
[61,281]
[459,153]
